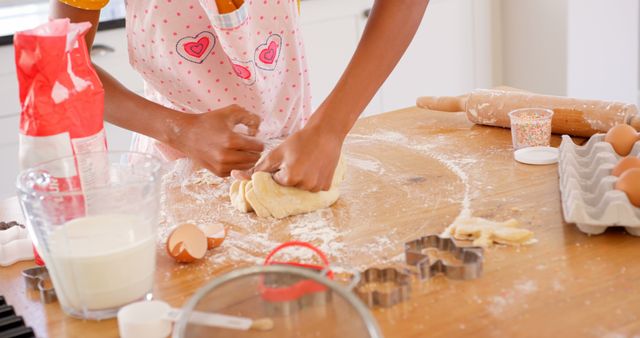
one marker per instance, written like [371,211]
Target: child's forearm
[122,107]
[207,138]
[128,110]
[391,27]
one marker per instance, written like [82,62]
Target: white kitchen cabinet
[8,154]
[331,31]
[117,138]
[325,62]
[9,171]
[441,59]
[9,89]
[9,130]
[110,53]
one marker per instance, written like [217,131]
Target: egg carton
[587,187]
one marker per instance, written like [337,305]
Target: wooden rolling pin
[571,116]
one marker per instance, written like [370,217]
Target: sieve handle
[212,319]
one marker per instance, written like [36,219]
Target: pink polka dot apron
[195,60]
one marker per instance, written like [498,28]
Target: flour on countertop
[371,165]
[191,193]
[516,295]
[452,164]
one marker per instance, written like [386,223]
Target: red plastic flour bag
[62,105]
[61,95]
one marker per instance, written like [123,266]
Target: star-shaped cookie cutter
[470,258]
[398,292]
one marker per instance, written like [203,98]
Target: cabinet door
[332,30]
[9,94]
[8,82]
[8,171]
[375,106]
[110,53]
[9,155]
[440,59]
[331,34]
[117,138]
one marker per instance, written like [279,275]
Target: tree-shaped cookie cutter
[398,292]
[37,279]
[470,258]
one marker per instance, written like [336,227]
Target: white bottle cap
[144,319]
[537,155]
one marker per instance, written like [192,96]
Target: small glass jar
[530,127]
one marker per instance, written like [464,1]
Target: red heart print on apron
[245,70]
[195,60]
[196,48]
[266,55]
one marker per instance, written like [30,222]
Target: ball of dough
[269,199]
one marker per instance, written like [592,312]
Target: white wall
[534,45]
[603,49]
[486,49]
[578,48]
[440,59]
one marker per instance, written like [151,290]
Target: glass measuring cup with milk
[95,228]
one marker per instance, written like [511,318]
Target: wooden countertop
[410,172]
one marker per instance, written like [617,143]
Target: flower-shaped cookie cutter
[37,279]
[469,267]
[397,287]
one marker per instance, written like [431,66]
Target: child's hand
[305,160]
[210,140]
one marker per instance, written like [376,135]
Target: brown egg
[625,164]
[187,243]
[216,233]
[629,182]
[622,138]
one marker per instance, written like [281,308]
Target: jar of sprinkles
[530,127]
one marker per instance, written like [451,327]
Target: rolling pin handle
[443,103]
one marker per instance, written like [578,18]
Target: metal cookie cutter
[398,291]
[37,279]
[470,258]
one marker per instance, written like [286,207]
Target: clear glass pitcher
[93,218]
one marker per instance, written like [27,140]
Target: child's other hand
[306,160]
[210,140]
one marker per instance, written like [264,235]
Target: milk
[101,262]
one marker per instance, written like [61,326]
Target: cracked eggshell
[187,243]
[215,233]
